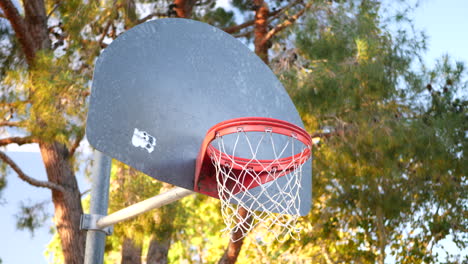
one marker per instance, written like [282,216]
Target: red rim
[205,174]
[260,124]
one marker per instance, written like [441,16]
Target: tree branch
[53,10]
[150,16]
[20,28]
[271,16]
[26,178]
[201,3]
[85,192]
[237,28]
[245,34]
[18,140]
[340,132]
[75,145]
[288,22]
[104,33]
[85,42]
[10,124]
[324,135]
[326,254]
[275,14]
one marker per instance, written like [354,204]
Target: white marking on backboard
[143,140]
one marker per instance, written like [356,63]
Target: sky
[14,242]
[444,21]
[446,24]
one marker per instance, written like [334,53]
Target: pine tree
[43,101]
[389,174]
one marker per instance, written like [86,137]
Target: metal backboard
[160,86]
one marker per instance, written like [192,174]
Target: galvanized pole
[95,239]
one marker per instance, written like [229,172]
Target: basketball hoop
[257,163]
[258,167]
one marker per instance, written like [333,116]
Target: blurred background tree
[44,76]
[394,139]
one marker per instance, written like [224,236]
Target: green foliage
[129,187]
[219,18]
[31,216]
[242,5]
[57,96]
[198,236]
[350,61]
[48,98]
[3,178]
[8,50]
[440,163]
[53,252]
[393,174]
[3,183]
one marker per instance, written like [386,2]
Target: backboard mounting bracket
[89,222]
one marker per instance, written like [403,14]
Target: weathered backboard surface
[160,86]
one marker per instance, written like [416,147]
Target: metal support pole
[131,211]
[95,240]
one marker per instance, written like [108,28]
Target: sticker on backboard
[143,140]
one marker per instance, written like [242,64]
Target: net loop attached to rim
[248,185]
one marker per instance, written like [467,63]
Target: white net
[259,180]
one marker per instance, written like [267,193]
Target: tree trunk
[381,234]
[184,8]
[67,204]
[261,29]
[68,208]
[233,249]
[158,250]
[131,252]
[36,22]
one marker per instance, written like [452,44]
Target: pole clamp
[89,222]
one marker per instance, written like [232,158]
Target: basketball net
[272,207]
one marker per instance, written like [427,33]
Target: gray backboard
[160,86]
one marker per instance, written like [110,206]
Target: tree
[439,166]
[43,99]
[387,165]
